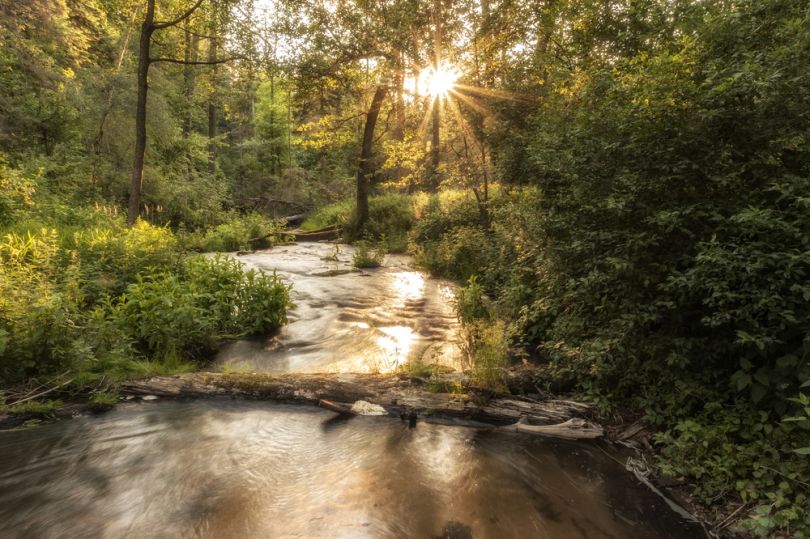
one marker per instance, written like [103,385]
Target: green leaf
[741,380]
[802,451]
[758,392]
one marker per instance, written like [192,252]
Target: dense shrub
[485,340]
[186,314]
[101,301]
[369,254]
[390,215]
[670,244]
[235,235]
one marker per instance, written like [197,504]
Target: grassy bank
[86,302]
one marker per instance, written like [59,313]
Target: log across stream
[399,395]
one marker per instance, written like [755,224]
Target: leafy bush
[485,341]
[16,191]
[669,243]
[236,235]
[368,254]
[391,216]
[186,315]
[471,302]
[113,300]
[37,317]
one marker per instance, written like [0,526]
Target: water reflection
[374,321]
[395,344]
[235,469]
[407,286]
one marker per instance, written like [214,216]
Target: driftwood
[399,395]
[294,219]
[43,393]
[574,429]
[336,407]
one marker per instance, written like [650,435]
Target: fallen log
[296,219]
[397,394]
[331,232]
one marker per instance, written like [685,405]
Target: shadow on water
[240,469]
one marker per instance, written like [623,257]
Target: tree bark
[399,395]
[365,168]
[435,157]
[147,29]
[189,56]
[212,100]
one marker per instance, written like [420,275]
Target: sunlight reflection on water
[396,345]
[375,320]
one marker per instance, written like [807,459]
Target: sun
[437,81]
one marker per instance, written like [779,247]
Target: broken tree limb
[575,428]
[396,394]
[336,407]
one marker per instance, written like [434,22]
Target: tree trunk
[147,28]
[434,144]
[365,169]
[437,101]
[212,104]
[189,55]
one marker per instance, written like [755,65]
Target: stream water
[230,469]
[350,321]
[237,469]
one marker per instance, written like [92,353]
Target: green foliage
[368,254]
[449,239]
[391,216]
[115,301]
[186,314]
[485,340]
[235,235]
[16,192]
[338,213]
[743,450]
[33,407]
[103,399]
[487,347]
[471,302]
[663,264]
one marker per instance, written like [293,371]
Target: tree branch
[181,18]
[196,62]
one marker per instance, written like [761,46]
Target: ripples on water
[371,321]
[240,469]
[228,469]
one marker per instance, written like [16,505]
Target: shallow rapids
[346,320]
[229,469]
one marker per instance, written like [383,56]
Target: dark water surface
[243,469]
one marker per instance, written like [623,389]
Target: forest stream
[233,468]
[347,320]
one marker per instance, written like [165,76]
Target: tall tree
[365,168]
[148,28]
